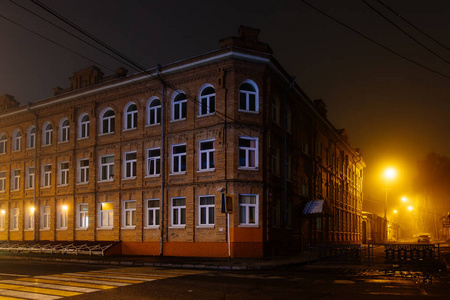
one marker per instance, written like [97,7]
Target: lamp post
[398,223]
[389,174]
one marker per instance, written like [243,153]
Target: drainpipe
[162,164]
[35,170]
[285,146]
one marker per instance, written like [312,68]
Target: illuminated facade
[89,164]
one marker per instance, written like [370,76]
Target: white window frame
[64,130]
[82,221]
[177,160]
[83,171]
[2,181]
[153,163]
[129,214]
[205,210]
[154,211]
[47,132]
[30,175]
[84,126]
[153,112]
[63,174]
[17,141]
[14,222]
[244,220]
[207,105]
[62,216]
[179,104]
[248,95]
[46,175]
[3,144]
[108,167]
[45,217]
[180,211]
[15,179]
[106,215]
[108,123]
[207,156]
[130,120]
[31,137]
[129,165]
[248,150]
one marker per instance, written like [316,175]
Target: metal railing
[56,248]
[411,253]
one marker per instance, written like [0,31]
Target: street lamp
[389,175]
[398,223]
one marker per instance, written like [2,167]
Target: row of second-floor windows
[248,159]
[206,208]
[248,102]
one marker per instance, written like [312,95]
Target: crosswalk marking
[56,286]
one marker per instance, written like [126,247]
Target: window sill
[177,120]
[206,170]
[105,181]
[61,229]
[15,151]
[81,229]
[46,145]
[248,225]
[14,230]
[63,142]
[44,229]
[152,125]
[82,138]
[83,183]
[206,226]
[249,111]
[46,187]
[29,188]
[153,176]
[129,178]
[178,173]
[129,129]
[206,115]
[248,169]
[29,230]
[63,185]
[128,228]
[152,227]
[177,227]
[106,133]
[105,228]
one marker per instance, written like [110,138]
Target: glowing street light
[404,199]
[389,175]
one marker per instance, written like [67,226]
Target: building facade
[146,159]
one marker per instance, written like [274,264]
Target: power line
[404,32]
[375,42]
[414,26]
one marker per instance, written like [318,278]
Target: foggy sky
[393,110]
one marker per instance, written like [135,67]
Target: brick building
[144,160]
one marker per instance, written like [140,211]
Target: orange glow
[404,199]
[64,207]
[3,212]
[390,173]
[410,208]
[32,209]
[395,211]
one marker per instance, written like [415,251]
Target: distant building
[144,160]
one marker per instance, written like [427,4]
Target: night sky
[392,109]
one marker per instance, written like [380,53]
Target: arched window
[154,111]
[83,126]
[207,101]
[64,130]
[179,106]
[17,140]
[131,116]
[248,96]
[47,134]
[31,137]
[3,140]
[107,121]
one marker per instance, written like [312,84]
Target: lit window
[17,140]
[152,212]
[46,175]
[131,116]
[178,211]
[106,214]
[83,172]
[30,177]
[47,134]
[248,209]
[2,219]
[207,101]
[15,179]
[31,140]
[83,215]
[2,181]
[62,216]
[14,222]
[29,218]
[107,168]
[84,126]
[153,162]
[3,144]
[129,213]
[206,155]
[248,152]
[64,130]
[64,173]
[179,158]
[45,217]
[206,210]
[154,112]
[107,121]
[179,107]
[248,97]
[130,165]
